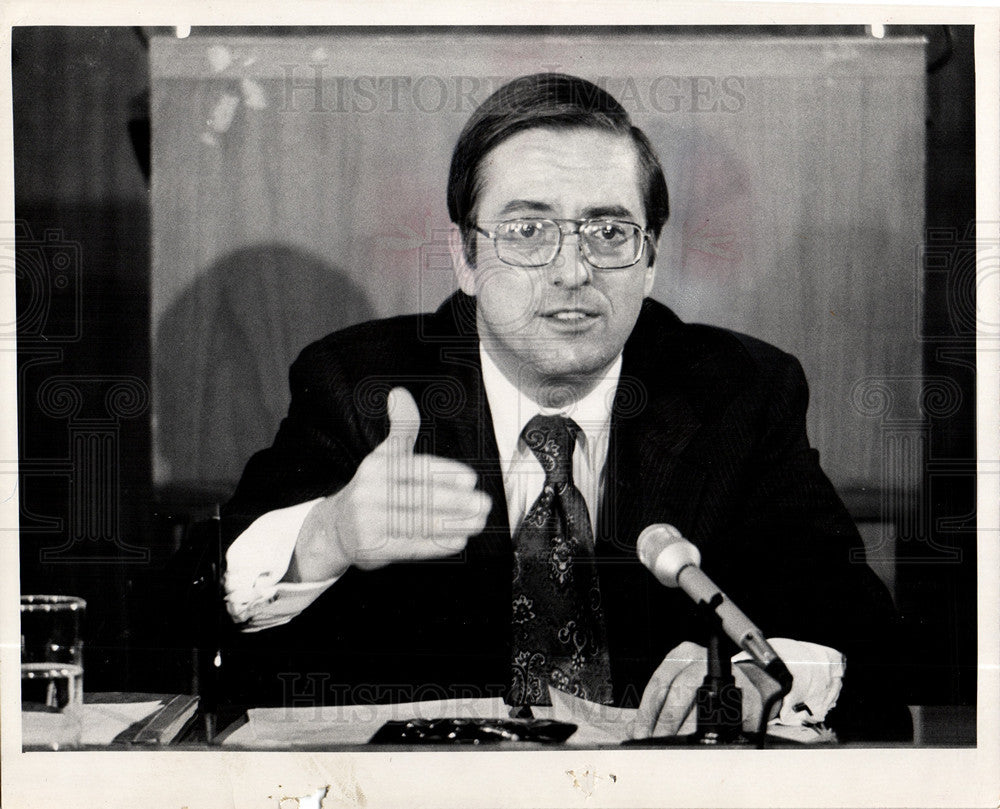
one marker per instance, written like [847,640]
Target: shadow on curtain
[222,352]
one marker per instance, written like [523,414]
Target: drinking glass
[51,669]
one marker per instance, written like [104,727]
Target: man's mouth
[569,315]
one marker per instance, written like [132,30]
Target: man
[473,533]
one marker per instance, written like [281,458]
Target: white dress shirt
[259,558]
[523,476]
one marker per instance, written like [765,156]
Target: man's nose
[569,268]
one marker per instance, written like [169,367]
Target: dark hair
[546,100]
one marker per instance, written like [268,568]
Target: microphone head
[665,552]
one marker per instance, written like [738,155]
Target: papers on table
[596,724]
[349,724]
[332,726]
[356,724]
[87,724]
[101,723]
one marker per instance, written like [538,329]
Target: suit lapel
[469,437]
[465,431]
[649,479]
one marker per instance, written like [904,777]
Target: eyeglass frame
[579,223]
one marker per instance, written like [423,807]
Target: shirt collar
[511,408]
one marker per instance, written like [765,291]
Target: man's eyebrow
[525,205]
[607,210]
[593,212]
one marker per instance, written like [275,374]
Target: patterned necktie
[559,636]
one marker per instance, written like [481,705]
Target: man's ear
[650,271]
[465,274]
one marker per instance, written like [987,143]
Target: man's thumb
[404,420]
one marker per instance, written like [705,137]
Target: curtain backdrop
[299,186]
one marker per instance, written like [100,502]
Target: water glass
[51,652]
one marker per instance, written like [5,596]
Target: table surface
[934,726]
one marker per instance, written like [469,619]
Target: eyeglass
[606,244]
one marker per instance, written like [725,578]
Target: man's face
[564,322]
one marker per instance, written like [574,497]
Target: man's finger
[755,684]
[404,420]
[439,472]
[654,700]
[416,516]
[448,527]
[448,502]
[411,548]
[423,497]
[406,548]
[656,696]
[680,700]
[414,526]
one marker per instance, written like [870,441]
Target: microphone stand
[718,701]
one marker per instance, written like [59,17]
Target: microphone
[675,563]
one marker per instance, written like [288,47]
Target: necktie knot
[552,439]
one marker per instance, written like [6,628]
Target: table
[940,726]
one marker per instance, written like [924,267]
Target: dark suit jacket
[708,434]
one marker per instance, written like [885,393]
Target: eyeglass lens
[607,244]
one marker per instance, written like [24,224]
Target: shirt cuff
[256,598]
[817,673]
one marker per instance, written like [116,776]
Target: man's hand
[668,703]
[398,507]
